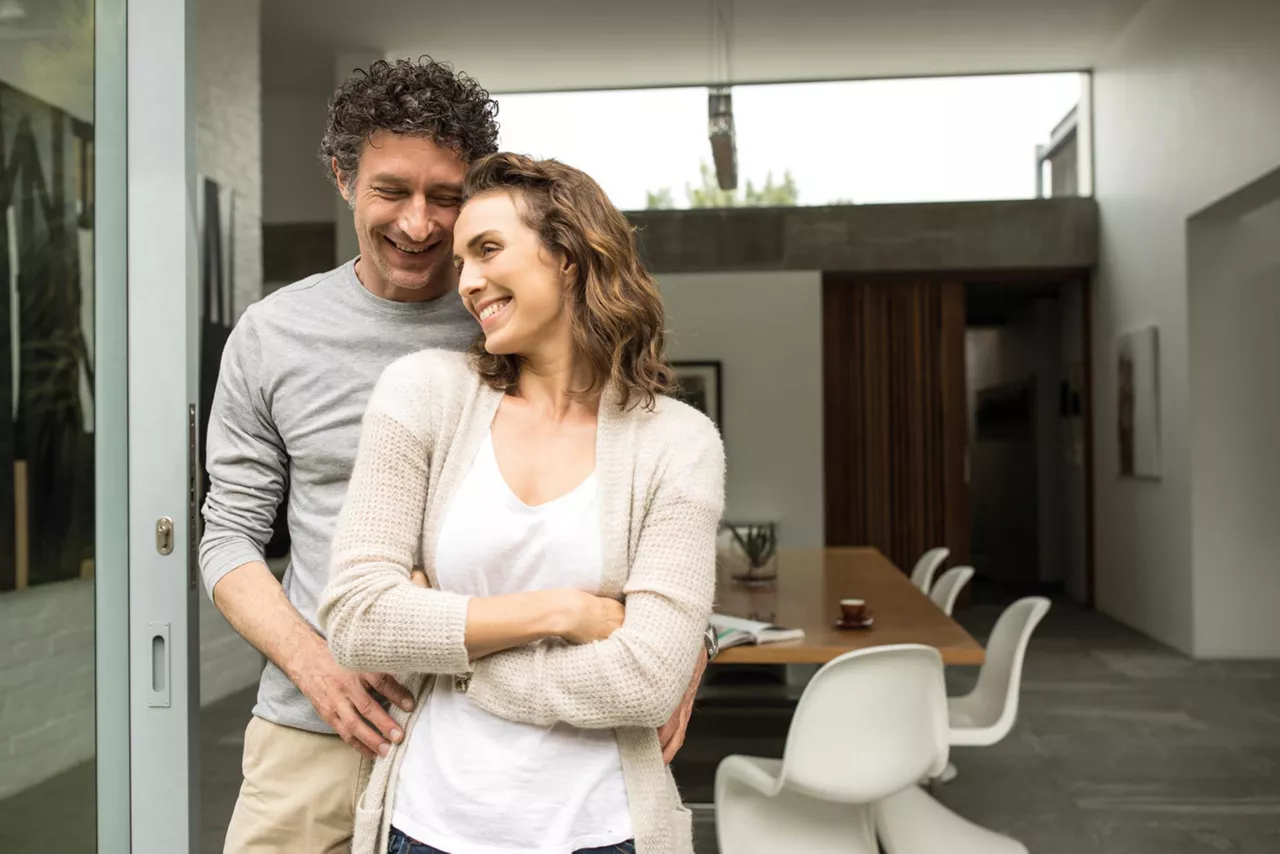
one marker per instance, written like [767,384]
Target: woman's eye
[488,249]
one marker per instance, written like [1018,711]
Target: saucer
[864,623]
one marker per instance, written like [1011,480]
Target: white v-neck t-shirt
[471,782]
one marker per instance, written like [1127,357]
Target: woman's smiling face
[508,279]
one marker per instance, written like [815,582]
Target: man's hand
[252,600]
[671,734]
[345,702]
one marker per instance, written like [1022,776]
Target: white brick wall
[47,678]
[46,681]
[46,633]
[229,150]
[229,126]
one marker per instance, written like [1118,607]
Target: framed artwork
[1138,403]
[700,384]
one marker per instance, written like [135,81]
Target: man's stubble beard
[439,280]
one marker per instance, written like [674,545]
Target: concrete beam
[1033,234]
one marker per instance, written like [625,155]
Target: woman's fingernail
[407,705]
[384,748]
[396,735]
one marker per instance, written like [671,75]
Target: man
[296,375]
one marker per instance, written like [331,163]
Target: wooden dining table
[806,595]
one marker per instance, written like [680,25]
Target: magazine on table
[736,631]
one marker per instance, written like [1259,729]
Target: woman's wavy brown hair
[616,309]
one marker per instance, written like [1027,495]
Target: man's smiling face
[406,197]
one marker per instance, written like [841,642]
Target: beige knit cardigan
[660,478]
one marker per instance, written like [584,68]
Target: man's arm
[247,472]
[671,734]
[254,603]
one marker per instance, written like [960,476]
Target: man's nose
[416,222]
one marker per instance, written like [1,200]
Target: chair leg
[933,783]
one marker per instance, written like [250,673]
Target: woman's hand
[590,618]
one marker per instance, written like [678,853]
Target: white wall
[1235,314]
[294,186]
[1186,111]
[766,329]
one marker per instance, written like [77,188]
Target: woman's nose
[470,282]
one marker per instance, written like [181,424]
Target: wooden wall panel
[894,415]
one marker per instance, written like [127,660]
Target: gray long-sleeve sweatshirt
[296,375]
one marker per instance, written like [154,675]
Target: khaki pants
[298,794]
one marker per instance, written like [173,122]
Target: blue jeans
[401,844]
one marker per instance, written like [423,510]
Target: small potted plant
[757,546]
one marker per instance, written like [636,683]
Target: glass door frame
[147,589]
[111,428]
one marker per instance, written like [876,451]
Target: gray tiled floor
[1122,746]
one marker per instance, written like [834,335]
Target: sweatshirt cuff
[218,560]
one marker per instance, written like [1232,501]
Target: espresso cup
[853,610]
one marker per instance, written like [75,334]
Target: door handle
[158,695]
[164,535]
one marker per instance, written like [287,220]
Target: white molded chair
[985,715]
[926,567]
[912,822]
[945,593]
[870,724]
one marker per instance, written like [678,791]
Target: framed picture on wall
[700,384]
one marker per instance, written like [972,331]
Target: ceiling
[517,45]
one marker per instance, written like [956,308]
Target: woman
[541,478]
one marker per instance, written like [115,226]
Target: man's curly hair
[424,98]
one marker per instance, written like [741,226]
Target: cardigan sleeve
[638,676]
[374,617]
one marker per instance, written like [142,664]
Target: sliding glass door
[162,442]
[145,318]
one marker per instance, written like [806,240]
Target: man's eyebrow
[388,178]
[391,178]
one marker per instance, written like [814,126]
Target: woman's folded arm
[638,676]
